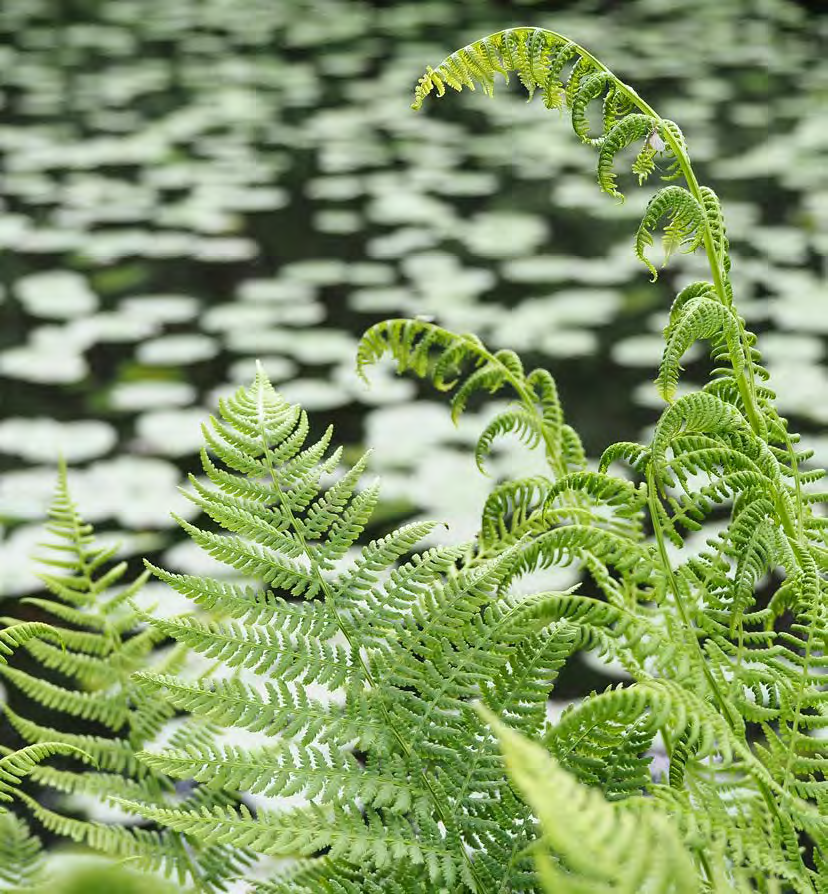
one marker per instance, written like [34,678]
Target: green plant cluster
[398,698]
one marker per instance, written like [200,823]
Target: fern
[364,686]
[590,845]
[383,689]
[736,694]
[96,643]
[21,856]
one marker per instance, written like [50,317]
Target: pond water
[190,186]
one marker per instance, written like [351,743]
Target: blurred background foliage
[189,186]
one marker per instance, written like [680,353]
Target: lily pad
[161,308]
[504,234]
[278,369]
[56,294]
[42,439]
[171,432]
[177,350]
[315,394]
[44,364]
[646,351]
[146,395]
[276,291]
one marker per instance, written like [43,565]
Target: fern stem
[528,400]
[652,496]
[764,787]
[355,650]
[745,379]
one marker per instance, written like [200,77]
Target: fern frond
[512,510]
[93,659]
[384,654]
[15,766]
[685,229]
[463,364]
[21,856]
[629,129]
[16,634]
[701,317]
[592,844]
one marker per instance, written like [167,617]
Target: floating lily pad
[395,301]
[177,350]
[17,570]
[553,323]
[315,394]
[401,207]
[56,294]
[44,364]
[369,273]
[337,222]
[51,240]
[336,189]
[275,290]
[504,234]
[401,242]
[112,246]
[150,394]
[278,369]
[801,388]
[320,346]
[111,327]
[257,317]
[138,492]
[225,249]
[786,348]
[317,272]
[385,387]
[646,351]
[46,440]
[171,432]
[571,343]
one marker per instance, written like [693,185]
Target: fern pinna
[358,674]
[21,854]
[733,681]
[88,654]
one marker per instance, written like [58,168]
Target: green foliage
[361,686]
[733,681]
[86,876]
[590,846]
[21,857]
[90,651]
[381,689]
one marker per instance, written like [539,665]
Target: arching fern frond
[591,844]
[539,58]
[461,363]
[16,634]
[631,128]
[85,673]
[19,764]
[702,317]
[741,661]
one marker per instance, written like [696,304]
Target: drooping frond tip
[567,77]
[536,55]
